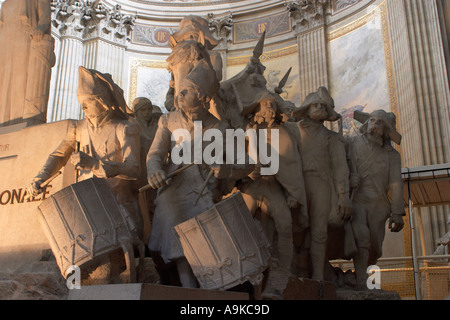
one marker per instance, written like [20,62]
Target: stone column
[106,39]
[421,79]
[444,15]
[66,18]
[65,103]
[105,57]
[92,35]
[422,88]
[309,24]
[222,28]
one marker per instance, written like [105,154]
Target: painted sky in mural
[358,71]
[153,84]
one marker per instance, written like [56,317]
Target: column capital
[222,28]
[308,14]
[90,19]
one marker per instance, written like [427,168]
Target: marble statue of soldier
[176,199]
[104,145]
[281,197]
[26,58]
[276,194]
[375,172]
[147,115]
[325,173]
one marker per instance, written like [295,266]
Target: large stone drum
[225,246]
[84,221]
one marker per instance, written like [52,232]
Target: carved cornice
[308,14]
[90,19]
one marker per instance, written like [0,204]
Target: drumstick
[170,175]
[77,171]
[210,174]
[47,182]
[44,184]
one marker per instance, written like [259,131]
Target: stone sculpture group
[327,200]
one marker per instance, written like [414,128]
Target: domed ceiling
[186,2]
[180,8]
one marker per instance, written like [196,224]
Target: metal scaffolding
[424,187]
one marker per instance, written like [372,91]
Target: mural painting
[359,69]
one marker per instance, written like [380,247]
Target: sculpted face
[375,126]
[188,96]
[189,101]
[266,113]
[92,108]
[318,112]
[145,113]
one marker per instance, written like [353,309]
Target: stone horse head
[191,44]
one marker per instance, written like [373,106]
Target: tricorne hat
[194,25]
[260,97]
[321,96]
[389,121]
[94,84]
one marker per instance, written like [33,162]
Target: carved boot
[318,260]
[360,262]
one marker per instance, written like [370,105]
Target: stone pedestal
[367,295]
[23,152]
[307,289]
[144,291]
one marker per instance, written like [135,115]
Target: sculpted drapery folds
[325,173]
[176,199]
[26,59]
[375,172]
[280,197]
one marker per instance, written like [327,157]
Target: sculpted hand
[292,202]
[158,179]
[84,161]
[35,188]
[396,223]
[345,207]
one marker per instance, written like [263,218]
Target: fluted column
[90,34]
[105,57]
[106,39]
[423,95]
[421,80]
[312,53]
[66,104]
[309,23]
